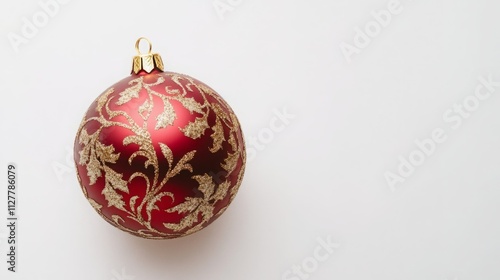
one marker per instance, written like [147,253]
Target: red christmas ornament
[159,154]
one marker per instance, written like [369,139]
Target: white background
[321,176]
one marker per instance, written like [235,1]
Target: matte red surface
[182,185]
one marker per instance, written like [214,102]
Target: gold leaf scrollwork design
[98,158]
[199,205]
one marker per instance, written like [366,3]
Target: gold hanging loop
[146,62]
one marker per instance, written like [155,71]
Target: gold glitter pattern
[199,205]
[97,157]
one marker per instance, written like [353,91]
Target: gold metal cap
[146,62]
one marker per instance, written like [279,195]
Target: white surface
[321,176]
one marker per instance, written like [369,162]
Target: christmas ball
[159,154]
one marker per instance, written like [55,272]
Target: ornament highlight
[159,154]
